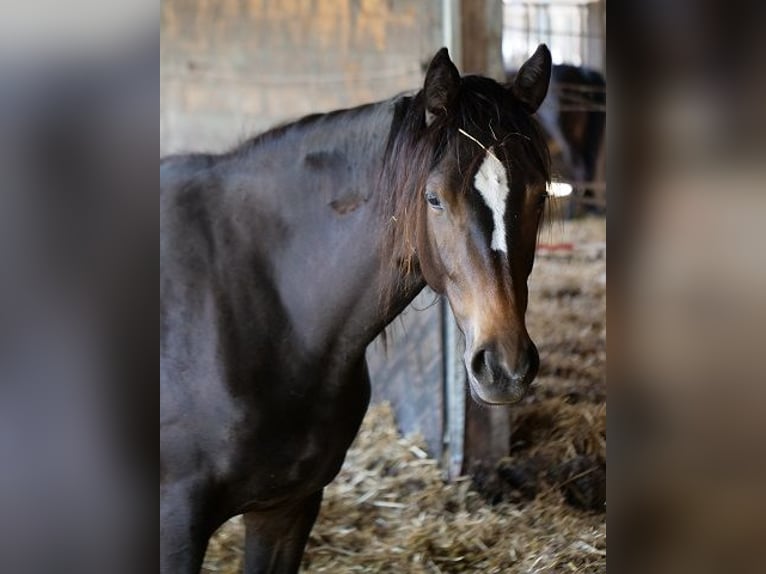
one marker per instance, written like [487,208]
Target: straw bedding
[541,509]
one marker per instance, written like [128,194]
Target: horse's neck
[325,232]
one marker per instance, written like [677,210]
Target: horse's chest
[297,445]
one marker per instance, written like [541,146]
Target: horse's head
[483,200]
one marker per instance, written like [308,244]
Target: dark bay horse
[284,258]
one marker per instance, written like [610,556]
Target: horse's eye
[433,200]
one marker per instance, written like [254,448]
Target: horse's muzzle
[498,377]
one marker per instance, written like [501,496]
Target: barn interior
[434,483]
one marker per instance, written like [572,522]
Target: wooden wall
[232,68]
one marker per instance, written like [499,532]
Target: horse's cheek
[430,256]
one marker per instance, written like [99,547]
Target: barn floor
[542,509]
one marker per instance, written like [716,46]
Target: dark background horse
[284,258]
[573,117]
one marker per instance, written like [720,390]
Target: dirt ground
[541,509]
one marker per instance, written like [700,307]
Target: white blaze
[492,183]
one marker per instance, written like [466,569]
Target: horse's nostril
[533,362]
[481,366]
[487,365]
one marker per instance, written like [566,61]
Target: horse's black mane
[276,132]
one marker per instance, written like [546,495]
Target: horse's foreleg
[274,540]
[182,540]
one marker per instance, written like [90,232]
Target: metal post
[454,395]
[454,374]
[451,29]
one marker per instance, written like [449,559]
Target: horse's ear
[531,83]
[441,86]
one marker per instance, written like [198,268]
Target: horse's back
[191,388]
[187,213]
[175,169]
[211,323]
[191,210]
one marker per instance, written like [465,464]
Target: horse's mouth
[510,396]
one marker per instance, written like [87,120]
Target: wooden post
[481,27]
